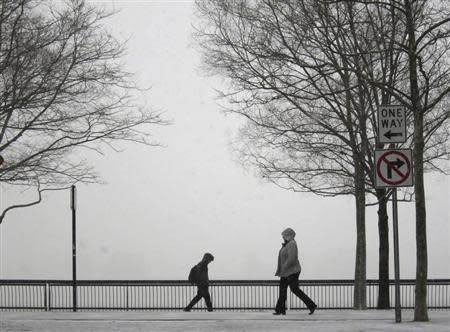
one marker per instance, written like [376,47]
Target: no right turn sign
[393,168]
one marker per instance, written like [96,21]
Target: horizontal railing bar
[218,281]
[21,308]
[197,309]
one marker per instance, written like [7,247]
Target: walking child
[199,276]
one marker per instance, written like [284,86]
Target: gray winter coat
[288,260]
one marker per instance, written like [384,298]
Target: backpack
[193,275]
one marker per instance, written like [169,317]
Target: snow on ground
[336,321]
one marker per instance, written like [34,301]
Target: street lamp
[73,202]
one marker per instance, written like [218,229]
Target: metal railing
[174,294]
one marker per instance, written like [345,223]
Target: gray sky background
[164,207]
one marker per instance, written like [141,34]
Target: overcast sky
[162,208]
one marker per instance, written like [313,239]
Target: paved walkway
[322,320]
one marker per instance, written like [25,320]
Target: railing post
[289,300]
[45,296]
[49,301]
[127,288]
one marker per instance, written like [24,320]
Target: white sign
[394,168]
[391,124]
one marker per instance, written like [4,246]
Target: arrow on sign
[391,164]
[399,163]
[389,134]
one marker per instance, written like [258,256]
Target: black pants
[202,292]
[292,282]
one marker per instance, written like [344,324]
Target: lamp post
[73,201]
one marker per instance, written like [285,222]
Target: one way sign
[391,124]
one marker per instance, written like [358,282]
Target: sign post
[398,308]
[393,169]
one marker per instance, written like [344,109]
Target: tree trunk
[383,259]
[420,309]
[359,296]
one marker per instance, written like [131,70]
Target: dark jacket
[202,278]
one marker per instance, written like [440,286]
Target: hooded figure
[202,278]
[288,269]
[288,262]
[202,282]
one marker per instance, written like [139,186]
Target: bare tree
[303,73]
[305,122]
[426,48]
[62,88]
[428,31]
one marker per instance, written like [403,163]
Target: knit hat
[289,232]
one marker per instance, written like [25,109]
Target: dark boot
[277,313]
[312,309]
